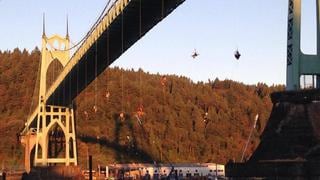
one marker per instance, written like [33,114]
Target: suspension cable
[35,88]
[74,46]
[92,27]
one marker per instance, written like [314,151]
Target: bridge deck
[120,32]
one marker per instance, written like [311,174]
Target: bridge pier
[289,146]
[28,141]
[54,121]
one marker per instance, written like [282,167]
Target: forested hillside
[180,121]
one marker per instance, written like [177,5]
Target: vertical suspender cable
[96,83]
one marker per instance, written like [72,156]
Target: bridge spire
[67,35]
[43,25]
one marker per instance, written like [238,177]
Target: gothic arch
[32,153]
[53,70]
[71,150]
[56,138]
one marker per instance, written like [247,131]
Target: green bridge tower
[299,65]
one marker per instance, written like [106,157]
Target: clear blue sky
[214,27]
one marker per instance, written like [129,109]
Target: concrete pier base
[290,142]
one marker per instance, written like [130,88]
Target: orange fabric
[140,112]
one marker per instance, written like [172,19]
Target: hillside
[174,126]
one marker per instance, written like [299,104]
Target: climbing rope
[86,80]
[122,115]
[163,82]
[95,107]
[162,9]
[140,112]
[107,95]
[140,19]
[236,54]
[140,34]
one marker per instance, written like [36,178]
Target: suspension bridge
[116,30]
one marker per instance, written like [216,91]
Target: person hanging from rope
[195,54]
[95,109]
[205,117]
[163,81]
[86,115]
[139,114]
[107,94]
[237,54]
[122,116]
